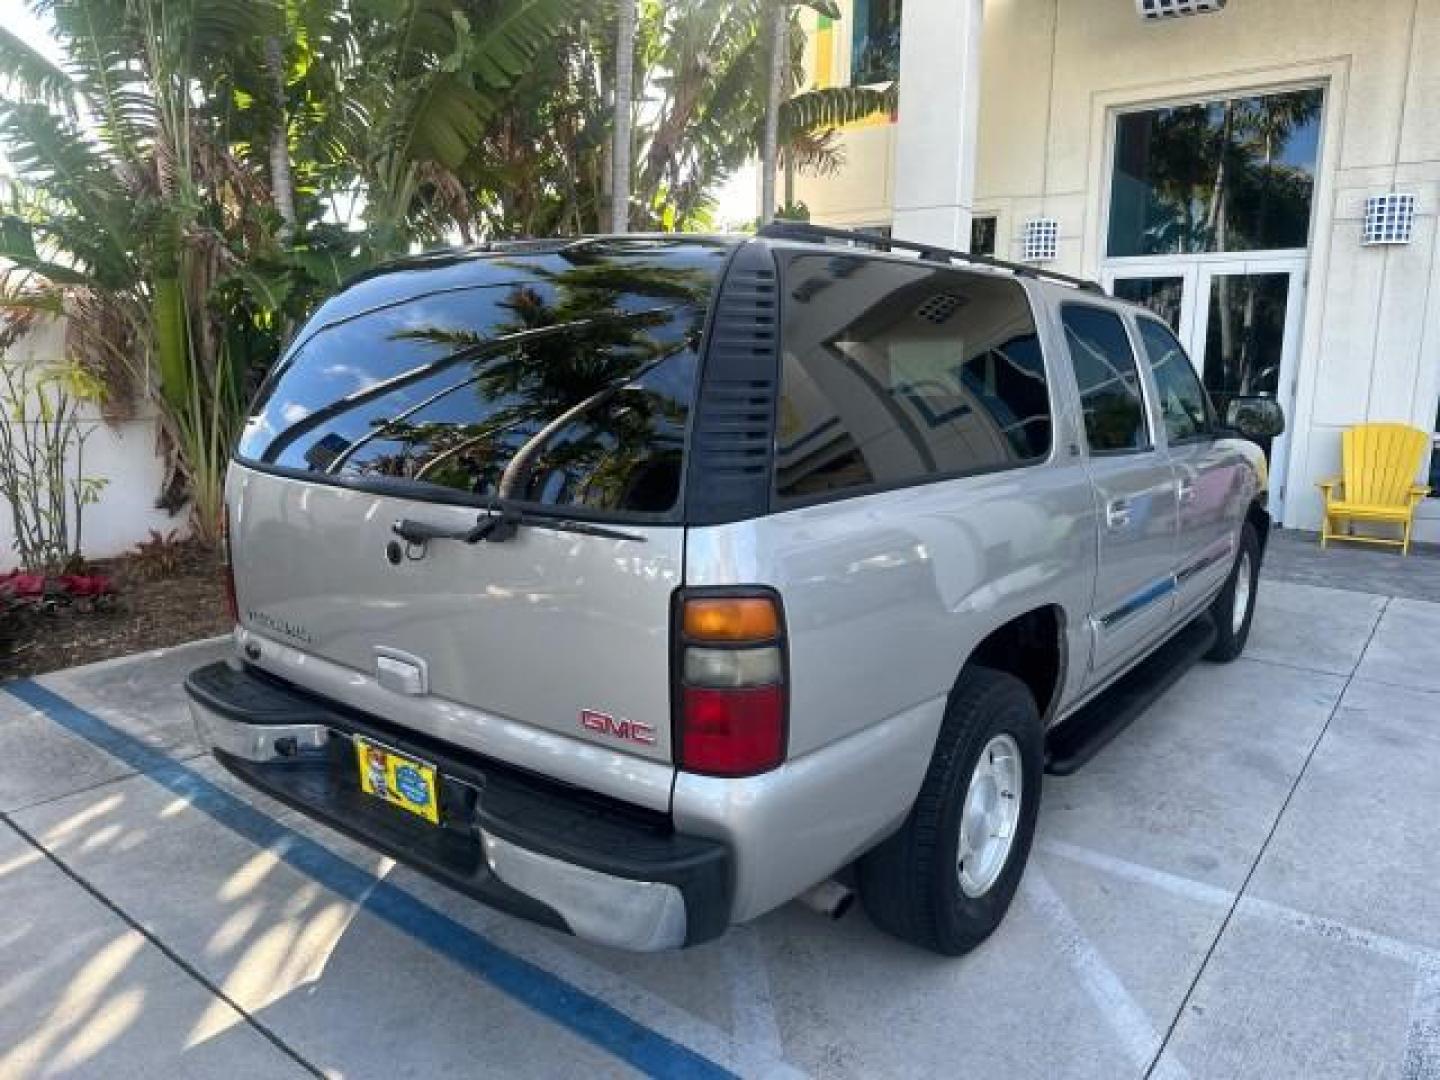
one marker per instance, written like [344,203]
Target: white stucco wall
[123,454]
[1054,71]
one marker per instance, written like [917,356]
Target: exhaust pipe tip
[830,899]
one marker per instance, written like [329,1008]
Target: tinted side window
[1109,381]
[1183,402]
[892,373]
[571,391]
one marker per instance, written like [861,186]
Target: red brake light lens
[733,732]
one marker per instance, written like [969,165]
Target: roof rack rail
[803,230]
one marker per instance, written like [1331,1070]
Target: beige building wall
[862,193]
[1055,71]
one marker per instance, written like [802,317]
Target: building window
[982,234]
[875,42]
[1231,175]
[1164,295]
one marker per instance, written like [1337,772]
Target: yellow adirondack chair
[1379,463]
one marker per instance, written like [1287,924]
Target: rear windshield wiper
[498,523]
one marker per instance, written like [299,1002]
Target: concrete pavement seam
[1260,854]
[165,950]
[1217,896]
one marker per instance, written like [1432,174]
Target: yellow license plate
[399,780]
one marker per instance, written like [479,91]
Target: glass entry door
[1239,319]
[1168,291]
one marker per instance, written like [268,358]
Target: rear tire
[918,884]
[1234,609]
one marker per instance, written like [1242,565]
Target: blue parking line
[583,1014]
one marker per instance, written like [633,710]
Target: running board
[1083,734]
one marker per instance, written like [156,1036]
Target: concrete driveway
[1245,884]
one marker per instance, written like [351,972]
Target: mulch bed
[145,613]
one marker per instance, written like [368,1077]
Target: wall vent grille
[1154,10]
[1389,219]
[1041,240]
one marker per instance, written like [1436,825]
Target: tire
[1232,624]
[911,884]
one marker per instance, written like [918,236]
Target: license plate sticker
[399,780]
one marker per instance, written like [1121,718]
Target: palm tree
[282,184]
[624,92]
[778,41]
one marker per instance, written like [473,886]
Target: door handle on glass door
[1117,513]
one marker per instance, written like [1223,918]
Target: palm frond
[104,44]
[52,152]
[816,153]
[829,8]
[816,110]
[29,74]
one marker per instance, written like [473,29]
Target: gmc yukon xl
[637,585]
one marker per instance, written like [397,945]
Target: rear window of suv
[894,373]
[567,388]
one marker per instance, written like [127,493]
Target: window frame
[1282,83]
[1147,403]
[1211,417]
[779,504]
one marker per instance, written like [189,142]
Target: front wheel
[946,879]
[1234,609]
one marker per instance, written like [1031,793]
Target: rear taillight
[730,667]
[228,568]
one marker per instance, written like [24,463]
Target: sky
[17,19]
[736,199]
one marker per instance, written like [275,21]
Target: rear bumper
[557,856]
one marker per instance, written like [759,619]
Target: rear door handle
[1185,489]
[1117,513]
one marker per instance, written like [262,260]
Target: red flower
[22,586]
[85,585]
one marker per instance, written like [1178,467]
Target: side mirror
[1256,418]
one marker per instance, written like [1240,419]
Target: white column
[938,115]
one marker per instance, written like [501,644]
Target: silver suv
[638,585]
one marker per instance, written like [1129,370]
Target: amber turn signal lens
[731,619]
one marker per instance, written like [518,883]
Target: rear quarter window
[895,373]
[569,390]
